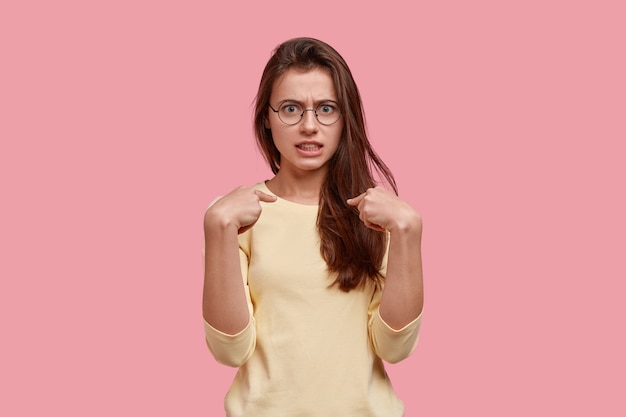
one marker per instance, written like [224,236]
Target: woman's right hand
[239,208]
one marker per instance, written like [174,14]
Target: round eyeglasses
[290,113]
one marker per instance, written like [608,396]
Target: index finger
[354,201]
[267,198]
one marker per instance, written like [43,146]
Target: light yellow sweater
[309,349]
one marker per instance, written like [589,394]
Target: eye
[290,108]
[326,108]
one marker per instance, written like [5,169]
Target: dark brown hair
[350,249]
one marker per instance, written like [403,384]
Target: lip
[301,148]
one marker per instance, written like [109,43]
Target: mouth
[309,147]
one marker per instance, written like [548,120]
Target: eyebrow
[317,102]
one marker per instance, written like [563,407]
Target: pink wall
[504,124]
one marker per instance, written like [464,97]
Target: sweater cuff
[388,329]
[231,349]
[390,344]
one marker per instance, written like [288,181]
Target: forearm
[224,303]
[403,293]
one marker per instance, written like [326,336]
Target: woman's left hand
[380,209]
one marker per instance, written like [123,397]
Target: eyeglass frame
[305,110]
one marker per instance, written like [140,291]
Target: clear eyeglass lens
[291,113]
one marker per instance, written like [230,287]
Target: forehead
[304,85]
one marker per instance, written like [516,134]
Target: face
[307,146]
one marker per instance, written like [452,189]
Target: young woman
[313,277]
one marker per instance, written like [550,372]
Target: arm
[392,345]
[235,349]
[224,300]
[403,294]
[224,304]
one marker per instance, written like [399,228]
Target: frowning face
[307,145]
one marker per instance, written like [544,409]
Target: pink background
[503,121]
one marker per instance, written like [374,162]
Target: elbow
[394,345]
[231,350]
[395,351]
[234,361]
[395,356]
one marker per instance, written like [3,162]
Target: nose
[309,121]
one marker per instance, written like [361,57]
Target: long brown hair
[350,249]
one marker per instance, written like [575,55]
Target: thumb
[267,198]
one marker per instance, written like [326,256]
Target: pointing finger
[355,200]
[267,198]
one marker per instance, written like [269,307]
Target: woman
[313,277]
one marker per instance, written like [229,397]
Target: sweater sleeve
[234,349]
[389,344]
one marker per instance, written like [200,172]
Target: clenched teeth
[308,147]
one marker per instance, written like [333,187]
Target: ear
[266,123]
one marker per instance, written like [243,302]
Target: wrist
[407,225]
[214,221]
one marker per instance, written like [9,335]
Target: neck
[303,189]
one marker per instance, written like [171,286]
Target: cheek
[279,138]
